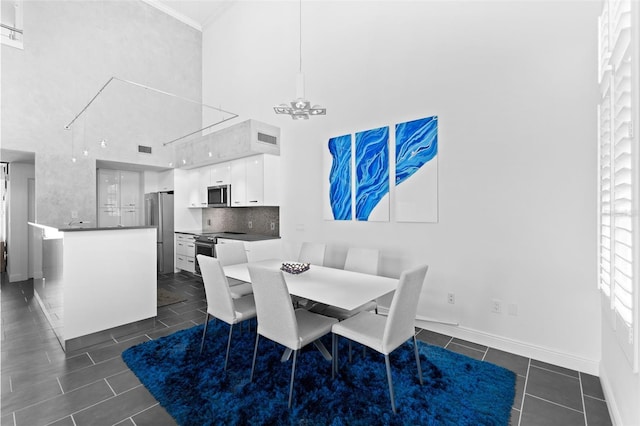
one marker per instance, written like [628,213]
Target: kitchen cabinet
[119,195]
[255,181]
[197,192]
[221,174]
[239,183]
[186,252]
[165,181]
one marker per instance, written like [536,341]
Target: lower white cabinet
[186,252]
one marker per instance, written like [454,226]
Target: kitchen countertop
[230,236]
[86,227]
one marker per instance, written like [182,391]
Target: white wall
[71,49]
[18,230]
[514,86]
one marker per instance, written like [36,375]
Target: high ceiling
[196,13]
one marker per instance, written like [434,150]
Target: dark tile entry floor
[41,385]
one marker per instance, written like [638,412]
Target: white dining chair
[312,253]
[279,322]
[220,304]
[363,260]
[386,334]
[232,254]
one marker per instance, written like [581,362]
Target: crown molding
[175,14]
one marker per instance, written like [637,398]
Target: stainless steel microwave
[219,196]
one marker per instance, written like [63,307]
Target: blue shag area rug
[195,390]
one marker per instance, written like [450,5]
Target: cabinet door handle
[253,201]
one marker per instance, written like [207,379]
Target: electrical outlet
[451,298]
[273,226]
[209,222]
[250,224]
[496,306]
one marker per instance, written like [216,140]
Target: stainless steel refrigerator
[158,208]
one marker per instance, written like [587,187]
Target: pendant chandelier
[300,108]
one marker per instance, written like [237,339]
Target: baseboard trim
[614,412]
[528,350]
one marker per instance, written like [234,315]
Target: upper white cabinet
[197,193]
[255,181]
[221,174]
[165,181]
[119,198]
[239,183]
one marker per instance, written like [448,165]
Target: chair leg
[415,346]
[206,323]
[255,352]
[334,355]
[293,373]
[226,358]
[391,394]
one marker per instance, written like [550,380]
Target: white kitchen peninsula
[96,280]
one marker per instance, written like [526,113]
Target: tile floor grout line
[64,393]
[524,391]
[140,412]
[90,359]
[107,382]
[10,385]
[584,407]
[60,385]
[552,402]
[14,419]
[557,372]
[48,358]
[594,397]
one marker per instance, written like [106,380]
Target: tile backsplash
[237,219]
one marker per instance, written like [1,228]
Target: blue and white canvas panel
[416,187]
[372,175]
[337,192]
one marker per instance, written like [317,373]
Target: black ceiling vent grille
[263,137]
[144,149]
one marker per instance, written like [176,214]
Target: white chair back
[312,253]
[231,253]
[276,317]
[400,324]
[216,288]
[362,260]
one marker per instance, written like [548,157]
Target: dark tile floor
[41,385]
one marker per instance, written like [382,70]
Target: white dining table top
[336,287]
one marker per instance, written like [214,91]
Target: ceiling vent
[144,149]
[263,137]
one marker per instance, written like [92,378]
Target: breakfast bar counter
[95,280]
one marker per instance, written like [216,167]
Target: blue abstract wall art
[372,174]
[364,194]
[416,192]
[340,177]
[416,143]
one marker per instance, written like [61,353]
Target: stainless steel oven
[205,245]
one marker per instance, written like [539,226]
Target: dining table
[330,286]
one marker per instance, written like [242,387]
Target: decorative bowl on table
[295,267]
